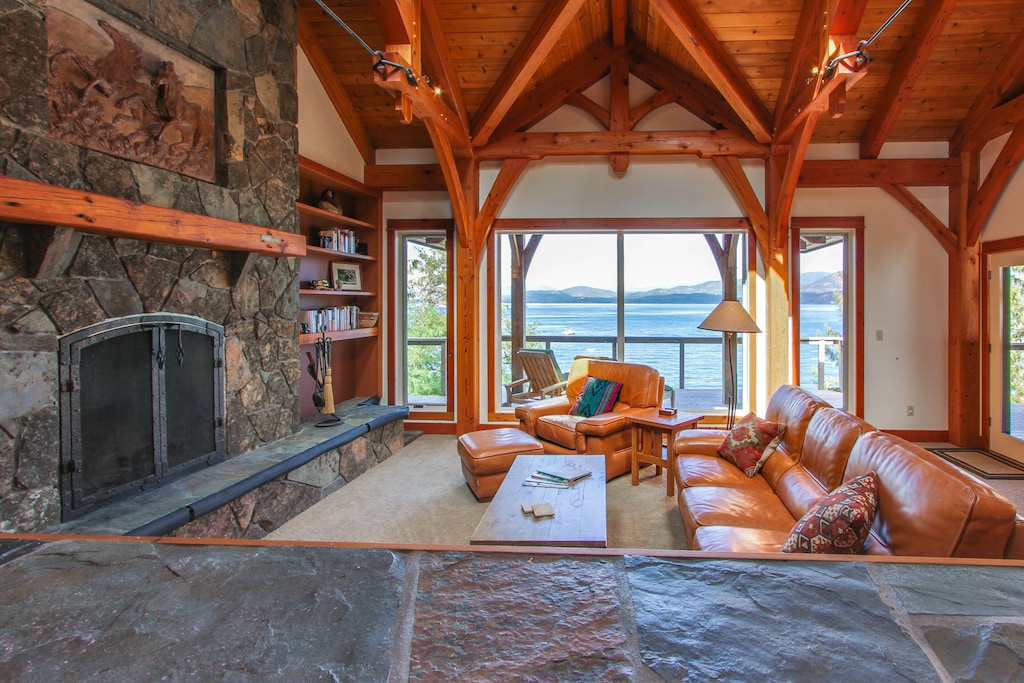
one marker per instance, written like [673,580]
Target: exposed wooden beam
[452,179]
[879,172]
[425,104]
[510,171]
[548,96]
[701,143]
[436,51]
[705,49]
[423,177]
[619,107]
[655,101]
[619,21]
[581,101]
[805,53]
[789,159]
[528,57]
[908,68]
[738,181]
[1002,119]
[947,240]
[23,201]
[847,16]
[995,182]
[335,91]
[972,135]
[702,101]
[816,96]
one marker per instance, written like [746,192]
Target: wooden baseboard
[925,435]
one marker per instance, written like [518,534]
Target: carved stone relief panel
[115,90]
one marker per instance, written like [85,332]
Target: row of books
[335,319]
[556,478]
[338,239]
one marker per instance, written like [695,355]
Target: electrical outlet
[878,335]
[910,411]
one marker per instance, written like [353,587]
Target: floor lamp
[730,318]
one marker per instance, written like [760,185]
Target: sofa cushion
[750,443]
[722,506]
[711,470]
[597,396]
[793,407]
[735,539]
[840,522]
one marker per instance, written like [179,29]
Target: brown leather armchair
[609,434]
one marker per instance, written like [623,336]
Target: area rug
[983,463]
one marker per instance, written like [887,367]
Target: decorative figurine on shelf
[329,202]
[320,369]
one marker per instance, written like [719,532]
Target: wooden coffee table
[580,512]
[649,430]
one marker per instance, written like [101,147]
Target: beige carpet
[418,496]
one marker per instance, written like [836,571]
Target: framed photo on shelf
[346,275]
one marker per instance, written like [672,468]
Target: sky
[651,261]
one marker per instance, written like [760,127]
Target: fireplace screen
[141,403]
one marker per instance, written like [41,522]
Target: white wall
[322,136]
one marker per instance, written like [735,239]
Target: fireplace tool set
[319,369]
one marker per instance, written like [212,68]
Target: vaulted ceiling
[943,70]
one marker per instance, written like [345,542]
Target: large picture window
[632,296]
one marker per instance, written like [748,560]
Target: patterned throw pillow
[840,522]
[750,443]
[597,396]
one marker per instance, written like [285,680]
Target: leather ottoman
[488,454]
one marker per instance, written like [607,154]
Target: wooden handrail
[23,201]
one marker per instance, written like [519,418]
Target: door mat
[983,463]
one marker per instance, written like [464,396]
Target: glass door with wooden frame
[1006,353]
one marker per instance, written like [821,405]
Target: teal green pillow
[598,396]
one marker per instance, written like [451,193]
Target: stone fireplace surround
[252,46]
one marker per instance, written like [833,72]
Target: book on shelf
[338,239]
[556,479]
[336,319]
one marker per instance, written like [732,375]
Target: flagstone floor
[132,610]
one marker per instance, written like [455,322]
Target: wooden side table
[649,431]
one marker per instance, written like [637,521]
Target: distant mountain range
[815,288]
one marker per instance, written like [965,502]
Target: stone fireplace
[56,282]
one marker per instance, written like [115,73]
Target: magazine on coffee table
[556,478]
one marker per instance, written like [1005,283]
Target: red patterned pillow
[840,522]
[750,443]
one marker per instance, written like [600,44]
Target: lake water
[702,364]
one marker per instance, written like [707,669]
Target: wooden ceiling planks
[755,37]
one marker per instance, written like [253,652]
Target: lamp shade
[729,316]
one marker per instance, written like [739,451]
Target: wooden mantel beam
[23,201]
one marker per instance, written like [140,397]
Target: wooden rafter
[514,80]
[789,159]
[705,49]
[703,102]
[548,96]
[971,134]
[335,91]
[805,54]
[701,143]
[655,101]
[909,67]
[436,51]
[932,222]
[999,175]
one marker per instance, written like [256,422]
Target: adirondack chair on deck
[543,377]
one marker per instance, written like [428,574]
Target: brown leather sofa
[610,433]
[927,507]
